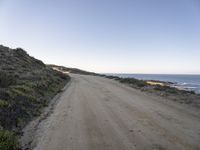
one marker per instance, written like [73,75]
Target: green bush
[159,88]
[167,89]
[24,88]
[133,81]
[8,141]
[6,79]
[3,103]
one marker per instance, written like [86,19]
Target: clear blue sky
[124,36]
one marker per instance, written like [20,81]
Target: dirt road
[95,113]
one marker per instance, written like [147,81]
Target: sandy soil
[96,113]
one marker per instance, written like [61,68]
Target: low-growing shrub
[6,80]
[135,82]
[8,140]
[3,103]
[159,88]
[170,90]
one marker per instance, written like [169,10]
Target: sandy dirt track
[96,113]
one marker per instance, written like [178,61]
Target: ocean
[187,82]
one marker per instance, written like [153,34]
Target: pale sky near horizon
[106,36]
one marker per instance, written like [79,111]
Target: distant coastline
[180,81]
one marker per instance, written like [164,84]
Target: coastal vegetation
[158,88]
[163,89]
[26,86]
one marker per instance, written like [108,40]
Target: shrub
[172,90]
[6,79]
[159,88]
[8,141]
[3,103]
[24,88]
[133,81]
[191,92]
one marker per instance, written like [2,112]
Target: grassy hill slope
[26,86]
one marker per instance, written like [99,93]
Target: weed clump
[6,79]
[8,141]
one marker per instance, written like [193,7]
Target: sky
[106,36]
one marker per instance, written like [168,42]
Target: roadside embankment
[26,86]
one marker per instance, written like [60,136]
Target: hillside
[26,86]
[72,70]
